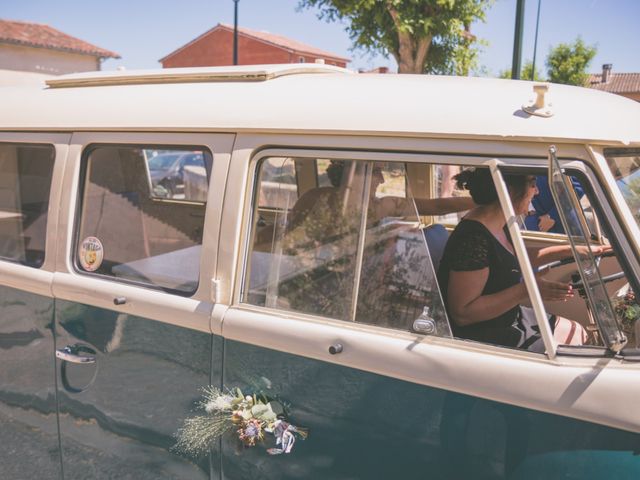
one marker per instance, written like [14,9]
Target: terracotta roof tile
[277,40]
[617,83]
[40,35]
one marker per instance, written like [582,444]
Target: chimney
[606,72]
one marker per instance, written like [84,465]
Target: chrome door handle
[70,354]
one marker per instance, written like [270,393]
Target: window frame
[367,169]
[51,186]
[23,277]
[311,154]
[580,166]
[193,312]
[601,205]
[79,209]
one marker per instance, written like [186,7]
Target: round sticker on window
[91,254]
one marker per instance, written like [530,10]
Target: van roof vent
[244,73]
[540,106]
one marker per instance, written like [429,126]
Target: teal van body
[287,269]
[370,426]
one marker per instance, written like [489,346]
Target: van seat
[436,236]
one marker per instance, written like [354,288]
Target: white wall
[43,60]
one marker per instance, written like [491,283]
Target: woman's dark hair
[480,185]
[334,172]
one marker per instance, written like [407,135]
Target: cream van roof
[317,98]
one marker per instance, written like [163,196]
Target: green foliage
[429,36]
[568,62]
[525,73]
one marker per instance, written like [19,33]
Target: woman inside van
[480,276]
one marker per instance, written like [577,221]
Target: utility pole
[516,64]
[235,32]
[535,44]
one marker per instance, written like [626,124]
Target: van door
[134,300]
[31,168]
[337,316]
[335,271]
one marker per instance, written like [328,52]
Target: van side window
[25,183]
[352,251]
[126,232]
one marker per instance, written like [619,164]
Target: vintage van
[267,267]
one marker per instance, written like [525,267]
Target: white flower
[218,403]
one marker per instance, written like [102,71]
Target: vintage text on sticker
[90,254]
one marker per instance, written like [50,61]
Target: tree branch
[421,52]
[406,47]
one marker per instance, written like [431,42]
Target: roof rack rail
[244,73]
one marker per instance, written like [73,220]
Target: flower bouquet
[628,312]
[251,416]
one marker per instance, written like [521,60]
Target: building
[35,47]
[625,84]
[215,48]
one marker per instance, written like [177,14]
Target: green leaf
[269,416]
[259,409]
[264,412]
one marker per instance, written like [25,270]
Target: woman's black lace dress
[472,247]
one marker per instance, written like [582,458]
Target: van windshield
[625,166]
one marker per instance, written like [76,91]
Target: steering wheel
[568,260]
[576,282]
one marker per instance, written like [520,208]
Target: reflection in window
[25,183]
[177,174]
[278,180]
[304,257]
[350,250]
[126,233]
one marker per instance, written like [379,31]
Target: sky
[143,31]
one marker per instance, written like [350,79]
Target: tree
[429,36]
[525,74]
[568,62]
